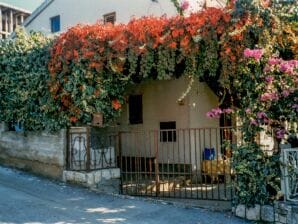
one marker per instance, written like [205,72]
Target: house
[156,106]
[165,138]
[54,16]
[10,18]
[160,129]
[151,106]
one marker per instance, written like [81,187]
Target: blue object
[209,154]
[55,24]
[18,127]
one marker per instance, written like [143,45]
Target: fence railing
[193,163]
[289,183]
[90,150]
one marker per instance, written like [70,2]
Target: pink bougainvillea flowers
[269,97]
[288,66]
[280,133]
[274,61]
[216,112]
[262,116]
[269,79]
[184,5]
[253,53]
[254,122]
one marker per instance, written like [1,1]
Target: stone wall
[280,212]
[39,152]
[258,213]
[286,212]
[105,180]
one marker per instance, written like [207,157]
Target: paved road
[29,199]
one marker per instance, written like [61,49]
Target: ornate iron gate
[91,149]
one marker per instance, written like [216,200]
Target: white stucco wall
[73,12]
[160,105]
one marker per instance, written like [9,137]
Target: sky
[29,5]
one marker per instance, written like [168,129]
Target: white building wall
[74,12]
[160,105]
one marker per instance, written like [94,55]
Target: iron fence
[193,163]
[180,163]
[90,149]
[289,158]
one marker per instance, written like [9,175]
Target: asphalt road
[25,198]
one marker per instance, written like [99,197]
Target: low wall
[280,212]
[105,180]
[286,212]
[39,152]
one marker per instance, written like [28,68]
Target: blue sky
[29,5]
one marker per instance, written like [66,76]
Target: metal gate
[178,163]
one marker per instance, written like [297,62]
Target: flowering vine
[181,7]
[91,66]
[268,100]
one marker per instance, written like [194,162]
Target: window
[110,18]
[135,109]
[55,24]
[168,131]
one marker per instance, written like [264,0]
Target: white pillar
[10,21]
[16,20]
[1,28]
[22,19]
[6,24]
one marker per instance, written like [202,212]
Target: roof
[36,12]
[2,4]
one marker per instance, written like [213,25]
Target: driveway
[25,198]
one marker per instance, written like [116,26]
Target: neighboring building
[55,16]
[10,18]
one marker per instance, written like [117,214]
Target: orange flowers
[173,45]
[84,57]
[101,43]
[73,119]
[95,65]
[75,54]
[116,104]
[88,54]
[177,32]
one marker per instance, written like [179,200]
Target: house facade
[10,18]
[55,16]
[155,114]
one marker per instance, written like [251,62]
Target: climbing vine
[259,77]
[91,66]
[24,81]
[269,92]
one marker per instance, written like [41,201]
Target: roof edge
[15,7]
[37,11]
